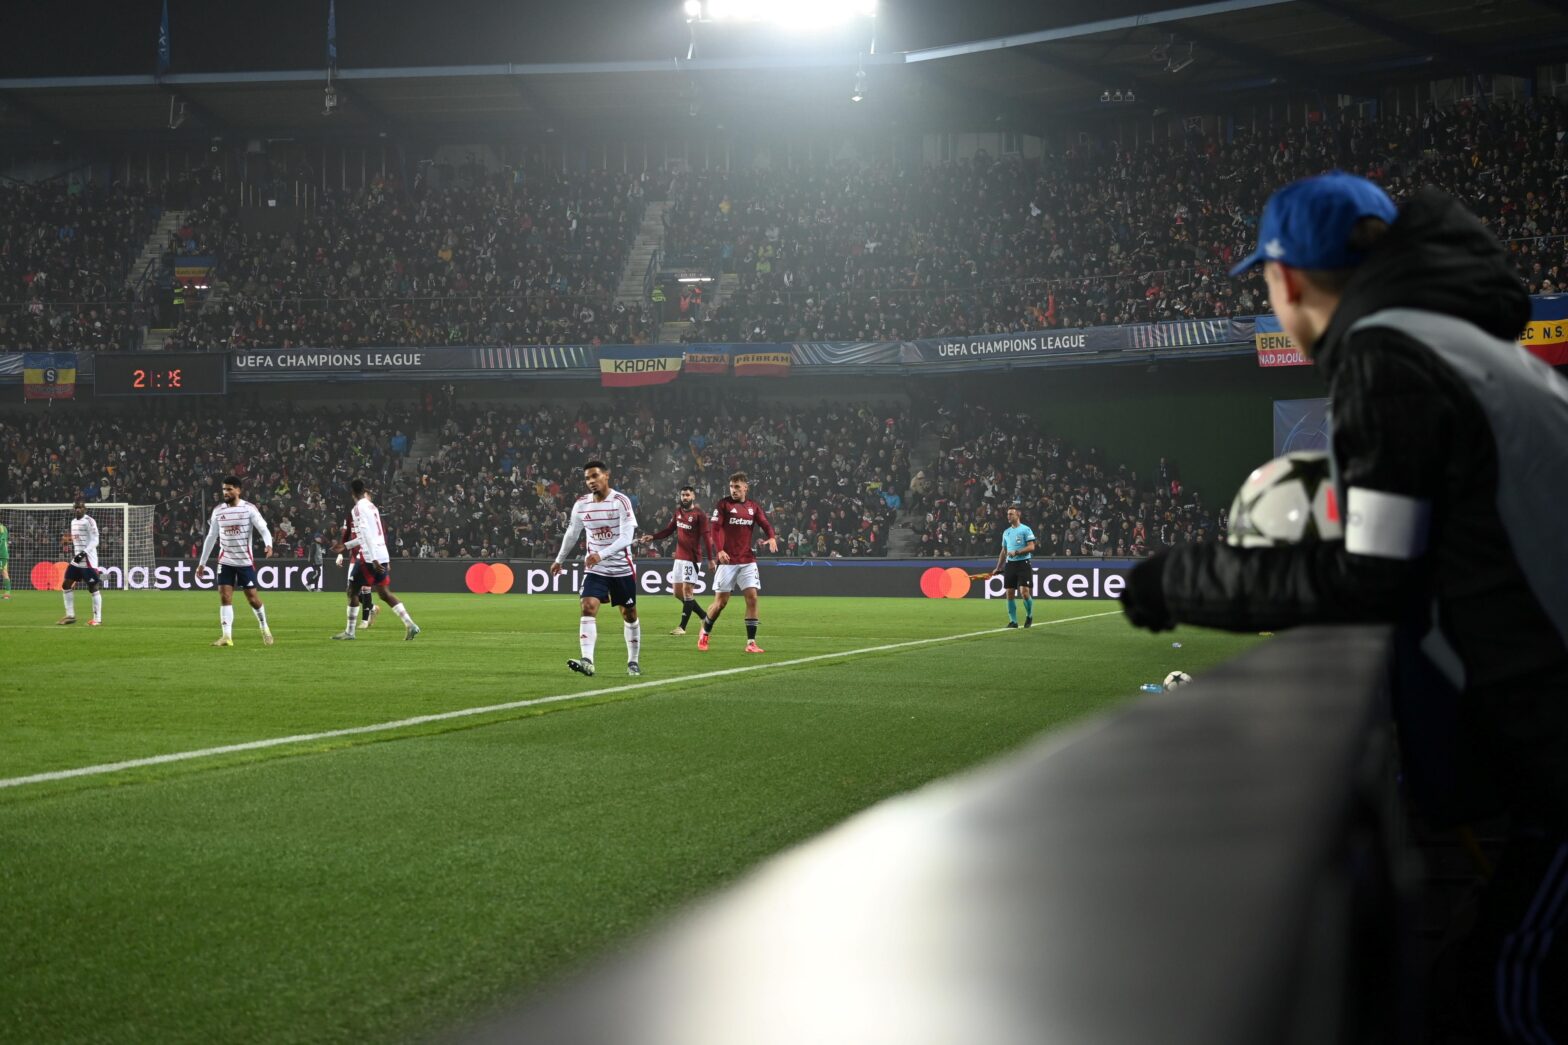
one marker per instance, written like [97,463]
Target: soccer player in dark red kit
[690,526]
[367,608]
[729,531]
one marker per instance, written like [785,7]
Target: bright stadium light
[790,14]
[693,9]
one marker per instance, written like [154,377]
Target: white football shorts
[683,572]
[731,577]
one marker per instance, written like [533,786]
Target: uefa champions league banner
[1052,579]
[1546,336]
[295,364]
[996,350]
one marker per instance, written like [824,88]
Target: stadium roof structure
[1186,58]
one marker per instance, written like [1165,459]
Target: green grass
[381,886]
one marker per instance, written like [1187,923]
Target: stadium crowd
[296,465]
[499,261]
[500,481]
[496,463]
[1077,504]
[1097,235]
[1094,235]
[65,254]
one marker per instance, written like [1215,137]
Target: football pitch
[375,840]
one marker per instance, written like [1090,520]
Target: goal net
[38,560]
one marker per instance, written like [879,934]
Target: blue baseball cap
[1307,224]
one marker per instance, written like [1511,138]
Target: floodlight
[792,14]
[693,8]
[1105,96]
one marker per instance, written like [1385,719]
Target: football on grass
[1289,500]
[1177,678]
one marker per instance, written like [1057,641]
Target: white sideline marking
[419,720]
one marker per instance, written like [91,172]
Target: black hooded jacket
[1409,424]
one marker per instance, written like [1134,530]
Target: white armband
[1386,525]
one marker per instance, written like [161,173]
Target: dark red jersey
[731,525]
[690,526]
[348,535]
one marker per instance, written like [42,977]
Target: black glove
[80,558]
[1143,601]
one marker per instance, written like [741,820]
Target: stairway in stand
[650,238]
[425,444]
[150,257]
[902,541]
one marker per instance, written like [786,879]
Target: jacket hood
[1437,257]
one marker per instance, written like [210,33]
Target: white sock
[226,620]
[402,614]
[633,640]
[353,618]
[98,606]
[261,616]
[70,603]
[587,636]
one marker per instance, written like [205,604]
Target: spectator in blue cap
[1450,453]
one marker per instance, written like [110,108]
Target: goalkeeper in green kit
[5,562]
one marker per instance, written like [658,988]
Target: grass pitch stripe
[420,720]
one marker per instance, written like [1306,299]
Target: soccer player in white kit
[606,516]
[372,564]
[83,544]
[230,528]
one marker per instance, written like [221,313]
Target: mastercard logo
[48,576]
[487,579]
[949,583]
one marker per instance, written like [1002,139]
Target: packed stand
[1099,235]
[65,254]
[504,261]
[296,466]
[505,477]
[500,484]
[1077,505]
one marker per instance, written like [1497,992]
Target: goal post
[125,541]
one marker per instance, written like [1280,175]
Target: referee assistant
[1012,562]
